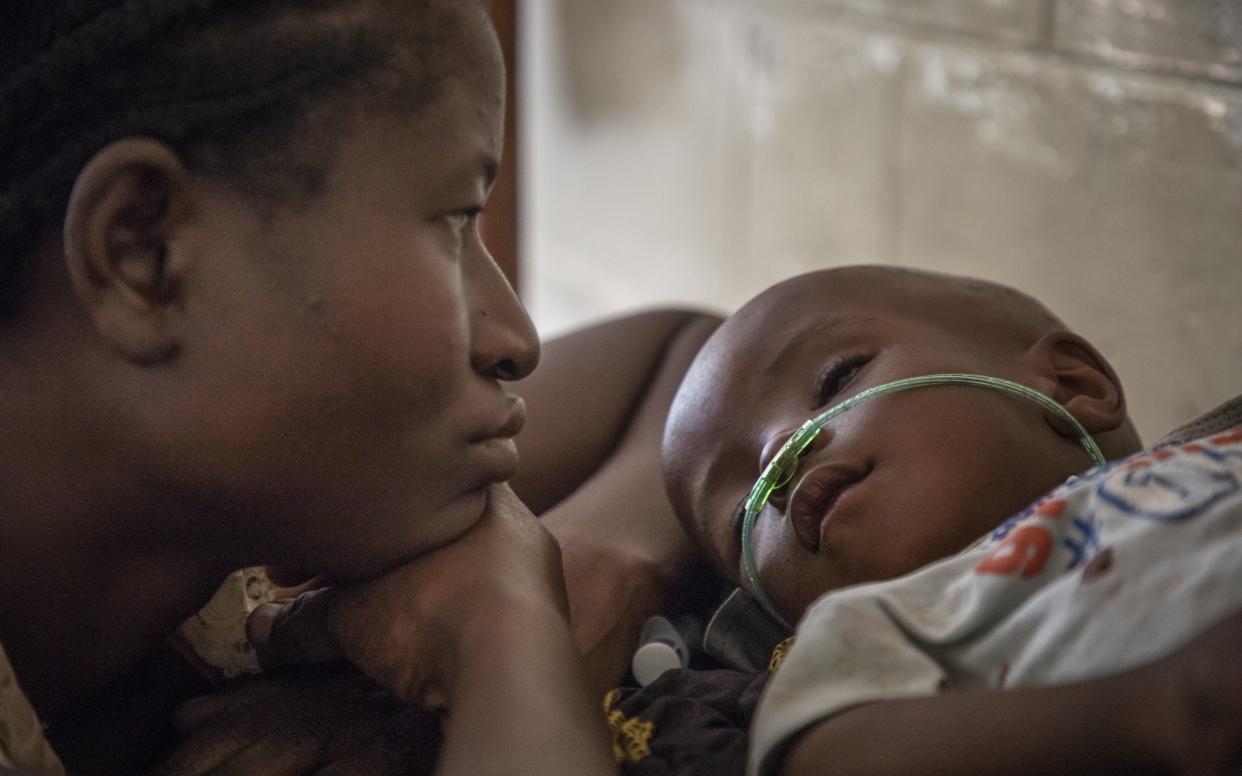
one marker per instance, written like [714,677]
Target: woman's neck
[90,580]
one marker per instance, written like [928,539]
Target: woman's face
[347,410]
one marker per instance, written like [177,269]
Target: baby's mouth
[816,495]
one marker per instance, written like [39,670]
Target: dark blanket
[687,722]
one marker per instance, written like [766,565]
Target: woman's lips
[494,448]
[815,496]
[497,458]
[507,423]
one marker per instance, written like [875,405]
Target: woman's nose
[772,448]
[503,342]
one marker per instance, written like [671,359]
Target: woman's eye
[459,220]
[836,377]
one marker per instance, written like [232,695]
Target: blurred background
[692,152]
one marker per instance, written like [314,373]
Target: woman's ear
[125,208]
[1082,381]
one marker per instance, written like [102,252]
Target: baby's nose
[775,446]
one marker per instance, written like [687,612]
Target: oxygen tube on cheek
[780,470]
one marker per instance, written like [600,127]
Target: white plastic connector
[661,648]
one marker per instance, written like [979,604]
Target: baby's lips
[814,497]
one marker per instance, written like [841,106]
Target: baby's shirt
[1109,571]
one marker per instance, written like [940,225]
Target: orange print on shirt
[1023,552]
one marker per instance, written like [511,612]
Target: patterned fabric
[22,744]
[687,722]
[778,654]
[217,634]
[1110,571]
[631,736]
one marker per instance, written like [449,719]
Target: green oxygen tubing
[780,470]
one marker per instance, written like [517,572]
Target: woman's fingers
[409,749]
[238,702]
[297,632]
[213,743]
[284,725]
[285,752]
[404,629]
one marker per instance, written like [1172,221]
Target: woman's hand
[479,626]
[410,629]
[344,725]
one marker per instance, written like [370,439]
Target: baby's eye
[837,376]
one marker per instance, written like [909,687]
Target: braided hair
[227,84]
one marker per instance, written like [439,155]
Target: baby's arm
[1181,714]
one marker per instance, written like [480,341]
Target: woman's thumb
[295,632]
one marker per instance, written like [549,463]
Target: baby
[1111,570]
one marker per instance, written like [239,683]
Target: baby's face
[889,486]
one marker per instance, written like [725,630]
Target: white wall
[1087,151]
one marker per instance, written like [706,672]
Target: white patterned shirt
[1110,571]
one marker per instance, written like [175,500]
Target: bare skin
[196,386]
[151,324]
[464,642]
[623,552]
[945,454]
[454,630]
[598,404]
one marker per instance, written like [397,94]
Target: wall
[1087,151]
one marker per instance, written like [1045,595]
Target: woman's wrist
[494,634]
[520,678]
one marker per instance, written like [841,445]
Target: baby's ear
[1081,380]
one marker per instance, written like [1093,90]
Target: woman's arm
[1180,715]
[520,703]
[591,466]
[590,392]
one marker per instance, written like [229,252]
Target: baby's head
[899,481]
[246,234]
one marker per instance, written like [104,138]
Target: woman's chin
[412,540]
[289,576]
